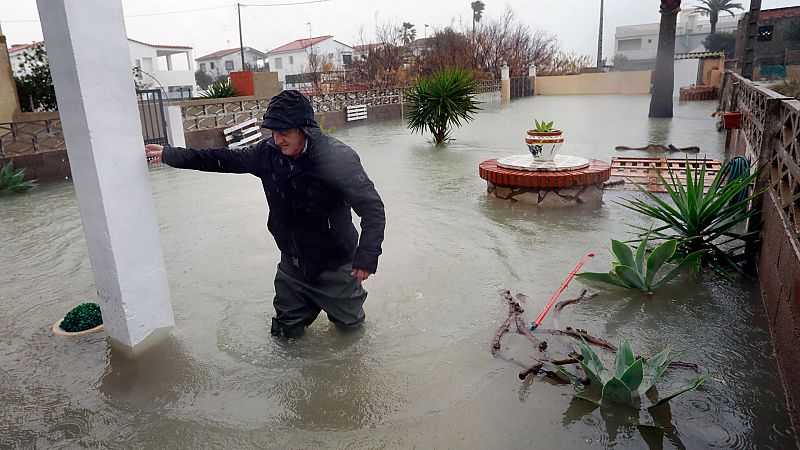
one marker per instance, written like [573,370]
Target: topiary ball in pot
[82,317]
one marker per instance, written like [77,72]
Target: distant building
[419,46]
[778,41]
[223,62]
[640,42]
[170,67]
[291,61]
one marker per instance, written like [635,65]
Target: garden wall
[770,137]
[637,82]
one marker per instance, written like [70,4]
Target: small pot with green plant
[544,141]
[82,319]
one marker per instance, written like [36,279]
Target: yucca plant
[11,181]
[699,219]
[442,101]
[638,271]
[630,377]
[220,89]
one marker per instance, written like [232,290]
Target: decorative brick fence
[770,137]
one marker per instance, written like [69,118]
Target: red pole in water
[563,286]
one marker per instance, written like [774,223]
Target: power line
[308,2]
[178,12]
[163,13]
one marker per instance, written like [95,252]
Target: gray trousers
[298,303]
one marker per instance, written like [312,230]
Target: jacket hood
[289,109]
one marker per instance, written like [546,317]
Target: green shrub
[442,101]
[82,317]
[220,89]
[701,220]
[630,377]
[11,181]
[639,271]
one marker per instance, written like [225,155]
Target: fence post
[175,126]
[505,84]
[532,76]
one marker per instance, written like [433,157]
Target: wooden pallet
[626,172]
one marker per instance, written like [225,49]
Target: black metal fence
[521,87]
[152,115]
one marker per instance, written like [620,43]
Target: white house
[291,61]
[640,42]
[223,62]
[170,67]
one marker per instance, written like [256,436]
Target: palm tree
[408,33]
[477,12]
[664,74]
[442,101]
[712,8]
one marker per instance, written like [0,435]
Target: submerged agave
[630,377]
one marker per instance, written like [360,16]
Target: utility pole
[600,38]
[241,44]
[750,39]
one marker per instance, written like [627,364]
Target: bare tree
[383,65]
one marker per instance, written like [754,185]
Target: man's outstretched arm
[227,160]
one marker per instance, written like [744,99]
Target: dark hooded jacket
[309,197]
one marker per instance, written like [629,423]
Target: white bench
[356,112]
[242,134]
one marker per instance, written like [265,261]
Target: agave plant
[630,377]
[442,101]
[11,181]
[699,219]
[220,89]
[543,126]
[639,270]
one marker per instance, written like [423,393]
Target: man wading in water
[311,181]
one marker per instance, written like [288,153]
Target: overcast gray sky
[574,22]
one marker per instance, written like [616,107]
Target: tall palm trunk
[713,18]
[664,76]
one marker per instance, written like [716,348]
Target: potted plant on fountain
[82,319]
[544,141]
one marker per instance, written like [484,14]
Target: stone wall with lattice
[31,137]
[770,133]
[219,113]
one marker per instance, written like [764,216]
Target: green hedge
[82,317]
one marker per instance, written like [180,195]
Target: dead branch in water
[515,311]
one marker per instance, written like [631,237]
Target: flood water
[420,375]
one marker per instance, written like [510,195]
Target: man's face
[290,141]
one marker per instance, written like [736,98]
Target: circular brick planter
[547,188]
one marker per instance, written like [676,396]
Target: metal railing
[31,137]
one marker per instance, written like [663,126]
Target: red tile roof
[20,47]
[300,44]
[219,54]
[181,47]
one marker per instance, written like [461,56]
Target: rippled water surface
[420,374]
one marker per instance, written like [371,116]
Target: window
[330,55]
[203,67]
[139,63]
[228,65]
[212,66]
[765,33]
[629,44]
[279,63]
[291,60]
[347,59]
[649,41]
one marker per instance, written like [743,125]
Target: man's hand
[361,274]
[153,153]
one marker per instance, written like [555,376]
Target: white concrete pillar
[175,132]
[532,77]
[90,61]
[505,84]
[169,63]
